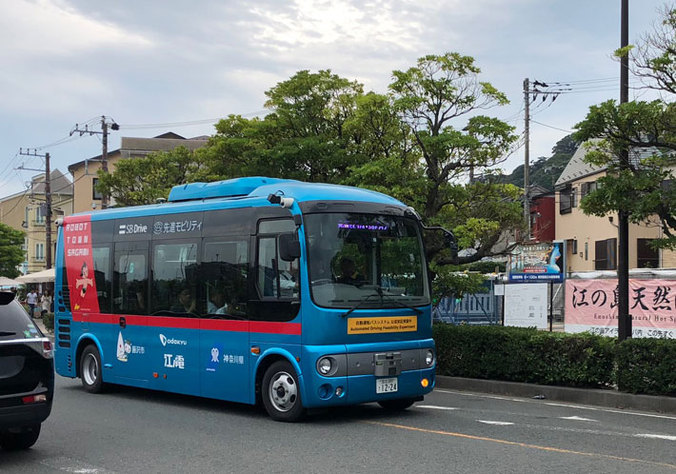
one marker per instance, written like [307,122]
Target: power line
[551,126]
[187,123]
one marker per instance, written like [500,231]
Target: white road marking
[610,410]
[655,436]
[63,463]
[498,423]
[553,404]
[576,418]
[436,407]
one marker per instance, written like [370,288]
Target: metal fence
[488,308]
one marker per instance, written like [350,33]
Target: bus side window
[102,276]
[130,280]
[276,277]
[224,277]
[173,278]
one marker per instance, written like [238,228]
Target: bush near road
[575,360]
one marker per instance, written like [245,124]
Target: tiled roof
[577,168]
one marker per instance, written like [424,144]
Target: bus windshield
[375,261]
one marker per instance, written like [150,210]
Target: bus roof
[246,192]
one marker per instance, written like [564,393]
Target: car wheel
[12,441]
[281,393]
[396,405]
[90,369]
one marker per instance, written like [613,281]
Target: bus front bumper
[355,389]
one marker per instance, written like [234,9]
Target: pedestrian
[46,303]
[32,300]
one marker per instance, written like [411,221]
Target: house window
[39,251]
[572,245]
[40,215]
[95,193]
[647,257]
[566,200]
[587,188]
[24,247]
[605,257]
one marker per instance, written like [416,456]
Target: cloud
[48,56]
[46,28]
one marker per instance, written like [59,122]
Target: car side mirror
[289,247]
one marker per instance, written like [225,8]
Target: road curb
[605,398]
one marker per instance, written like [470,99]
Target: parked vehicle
[26,376]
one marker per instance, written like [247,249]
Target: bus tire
[90,369]
[24,439]
[281,392]
[396,405]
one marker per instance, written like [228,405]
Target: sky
[155,66]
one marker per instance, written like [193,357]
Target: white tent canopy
[4,281]
[37,277]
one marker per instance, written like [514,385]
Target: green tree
[144,180]
[434,98]
[11,254]
[645,188]
[544,171]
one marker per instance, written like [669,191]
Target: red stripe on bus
[293,329]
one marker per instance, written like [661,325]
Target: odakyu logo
[172,342]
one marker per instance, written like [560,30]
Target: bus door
[127,347]
[224,338]
[275,290]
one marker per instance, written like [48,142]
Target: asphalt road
[131,430]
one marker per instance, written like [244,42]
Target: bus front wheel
[281,393]
[90,369]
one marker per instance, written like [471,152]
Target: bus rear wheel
[281,393]
[90,369]
[396,405]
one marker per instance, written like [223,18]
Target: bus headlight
[326,366]
[429,357]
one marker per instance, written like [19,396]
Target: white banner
[526,305]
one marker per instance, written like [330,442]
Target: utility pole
[526,164]
[623,316]
[104,153]
[48,203]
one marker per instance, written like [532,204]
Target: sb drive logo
[132,229]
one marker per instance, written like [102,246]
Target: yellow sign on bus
[385,324]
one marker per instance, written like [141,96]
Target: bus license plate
[386,385]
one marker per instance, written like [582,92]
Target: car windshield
[375,261]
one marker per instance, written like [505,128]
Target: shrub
[48,321]
[647,366]
[525,355]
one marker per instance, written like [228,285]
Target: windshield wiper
[379,289]
[7,333]
[379,292]
[358,305]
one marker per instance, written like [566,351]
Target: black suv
[26,376]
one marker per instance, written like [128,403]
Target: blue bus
[254,290]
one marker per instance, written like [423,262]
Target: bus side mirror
[452,245]
[289,247]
